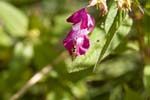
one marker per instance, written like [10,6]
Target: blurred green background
[31,35]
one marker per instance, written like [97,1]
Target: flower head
[77,40]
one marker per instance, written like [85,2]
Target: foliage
[116,67]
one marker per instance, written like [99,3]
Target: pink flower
[77,40]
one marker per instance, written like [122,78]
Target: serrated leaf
[97,39]
[13,20]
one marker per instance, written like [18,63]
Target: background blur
[31,35]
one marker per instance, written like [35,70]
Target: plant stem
[142,44]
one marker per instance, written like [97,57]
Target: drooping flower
[77,40]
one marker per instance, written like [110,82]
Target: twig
[36,78]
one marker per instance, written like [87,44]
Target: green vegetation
[34,65]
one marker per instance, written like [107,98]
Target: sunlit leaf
[146,79]
[15,22]
[5,40]
[110,16]
[116,33]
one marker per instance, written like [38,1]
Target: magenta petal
[82,45]
[84,19]
[69,45]
[79,42]
[91,23]
[68,42]
[76,17]
[81,51]
[86,43]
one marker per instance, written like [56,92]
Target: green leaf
[119,29]
[13,20]
[106,68]
[116,93]
[146,29]
[24,49]
[132,95]
[147,4]
[5,40]
[146,79]
[110,17]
